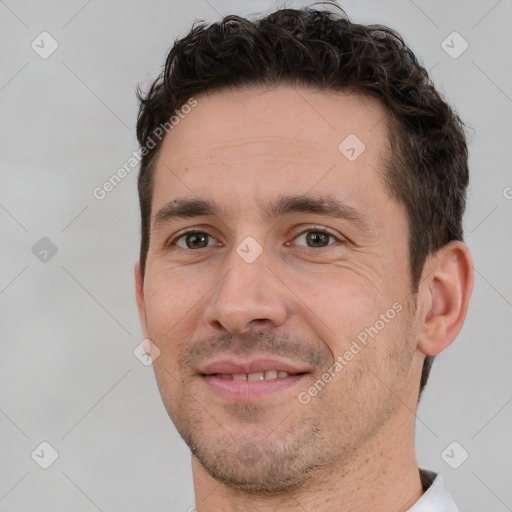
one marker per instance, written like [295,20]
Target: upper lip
[232,366]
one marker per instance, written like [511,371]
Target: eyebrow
[279,207]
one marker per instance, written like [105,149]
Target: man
[302,190]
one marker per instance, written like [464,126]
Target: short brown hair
[428,169]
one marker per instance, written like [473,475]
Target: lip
[232,366]
[246,390]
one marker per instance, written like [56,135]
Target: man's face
[293,288]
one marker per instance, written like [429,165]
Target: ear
[139,295]
[444,293]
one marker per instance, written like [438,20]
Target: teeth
[268,375]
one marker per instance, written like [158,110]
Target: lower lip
[244,390]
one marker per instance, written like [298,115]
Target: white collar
[436,498]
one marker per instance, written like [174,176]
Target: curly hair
[427,171]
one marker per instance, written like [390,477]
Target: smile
[253,377]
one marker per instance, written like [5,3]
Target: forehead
[245,145]
[284,122]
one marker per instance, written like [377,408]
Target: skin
[350,445]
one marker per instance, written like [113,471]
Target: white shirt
[436,497]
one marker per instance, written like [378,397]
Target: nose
[248,297]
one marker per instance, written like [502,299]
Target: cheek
[171,295]
[357,322]
[172,303]
[344,301]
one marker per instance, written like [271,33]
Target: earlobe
[139,295]
[447,291]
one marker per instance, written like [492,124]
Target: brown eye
[193,240]
[316,238]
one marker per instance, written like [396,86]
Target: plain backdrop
[69,376]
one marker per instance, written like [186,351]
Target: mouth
[251,380]
[256,376]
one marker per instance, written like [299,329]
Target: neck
[383,476]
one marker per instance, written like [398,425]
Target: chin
[258,466]
[261,478]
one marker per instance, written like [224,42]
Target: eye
[312,238]
[316,238]
[193,240]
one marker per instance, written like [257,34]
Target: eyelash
[310,229]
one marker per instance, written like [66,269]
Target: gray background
[68,325]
